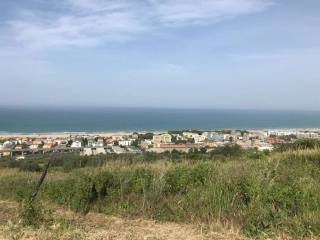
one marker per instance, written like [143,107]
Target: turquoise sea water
[126,119]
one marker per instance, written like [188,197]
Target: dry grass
[71,226]
[269,176]
[68,225]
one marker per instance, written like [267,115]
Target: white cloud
[91,22]
[97,5]
[185,12]
[76,31]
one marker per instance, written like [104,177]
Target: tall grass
[274,195]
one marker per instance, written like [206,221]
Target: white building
[7,144]
[214,136]
[93,151]
[118,150]
[76,144]
[195,136]
[34,146]
[94,144]
[302,135]
[87,152]
[97,151]
[125,143]
[199,138]
[280,132]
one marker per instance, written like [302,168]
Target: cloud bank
[81,23]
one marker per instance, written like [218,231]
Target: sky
[220,54]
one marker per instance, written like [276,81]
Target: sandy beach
[68,134]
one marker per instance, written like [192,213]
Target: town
[19,146]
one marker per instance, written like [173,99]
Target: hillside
[257,195]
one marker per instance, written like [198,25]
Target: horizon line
[88,107]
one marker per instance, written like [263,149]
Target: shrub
[105,184]
[32,213]
[30,166]
[179,179]
[229,150]
[84,194]
[140,180]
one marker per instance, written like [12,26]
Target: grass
[67,225]
[269,196]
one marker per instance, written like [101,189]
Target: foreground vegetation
[263,194]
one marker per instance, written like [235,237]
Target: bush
[179,179]
[106,183]
[33,214]
[30,166]
[84,194]
[229,150]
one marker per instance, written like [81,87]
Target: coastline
[124,133]
[68,134]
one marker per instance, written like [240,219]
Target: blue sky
[240,54]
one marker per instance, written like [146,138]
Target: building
[273,140]
[163,138]
[62,142]
[303,135]
[164,147]
[135,150]
[34,146]
[214,136]
[245,144]
[93,144]
[97,151]
[118,150]
[262,135]
[282,133]
[125,143]
[37,142]
[199,138]
[145,144]
[47,146]
[87,152]
[8,144]
[190,135]
[6,153]
[211,144]
[76,144]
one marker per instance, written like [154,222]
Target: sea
[147,119]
